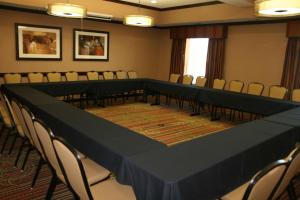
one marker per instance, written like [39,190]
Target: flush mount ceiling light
[66,10]
[139,20]
[277,8]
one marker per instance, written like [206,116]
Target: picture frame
[37,42]
[90,45]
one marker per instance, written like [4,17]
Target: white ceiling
[174,3]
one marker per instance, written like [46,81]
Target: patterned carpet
[164,124]
[15,184]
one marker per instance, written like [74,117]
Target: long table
[203,168]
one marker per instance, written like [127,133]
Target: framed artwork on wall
[90,45]
[35,42]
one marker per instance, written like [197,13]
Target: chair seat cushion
[112,190]
[236,194]
[94,172]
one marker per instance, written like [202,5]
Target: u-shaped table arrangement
[204,168]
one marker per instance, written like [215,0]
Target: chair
[35,77]
[236,86]
[262,185]
[16,125]
[132,74]
[108,75]
[76,174]
[7,121]
[219,84]
[121,75]
[72,76]
[187,79]
[201,81]
[12,78]
[26,138]
[255,89]
[174,78]
[277,92]
[92,76]
[292,170]
[95,173]
[54,77]
[29,117]
[296,95]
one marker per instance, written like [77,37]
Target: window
[195,57]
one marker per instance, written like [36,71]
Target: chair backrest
[72,76]
[6,117]
[14,117]
[35,77]
[108,75]
[174,78]
[292,170]
[236,86]
[12,78]
[72,168]
[29,117]
[296,95]
[187,79]
[17,110]
[45,136]
[54,77]
[201,81]
[264,183]
[255,88]
[92,76]
[132,74]
[277,92]
[121,75]
[219,84]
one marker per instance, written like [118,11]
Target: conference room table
[203,168]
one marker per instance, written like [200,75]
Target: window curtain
[291,69]
[178,57]
[215,60]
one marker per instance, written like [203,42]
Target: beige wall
[131,48]
[255,53]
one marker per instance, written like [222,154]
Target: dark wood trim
[237,23]
[248,22]
[192,5]
[80,73]
[133,4]
[44,12]
[165,9]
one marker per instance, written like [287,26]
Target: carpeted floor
[15,184]
[164,124]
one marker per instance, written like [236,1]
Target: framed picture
[91,45]
[34,42]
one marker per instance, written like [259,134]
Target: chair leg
[41,162]
[5,141]
[26,157]
[13,144]
[20,150]
[52,186]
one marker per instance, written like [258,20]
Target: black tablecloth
[209,167]
[203,168]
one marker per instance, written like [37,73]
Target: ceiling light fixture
[66,10]
[139,20]
[277,8]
